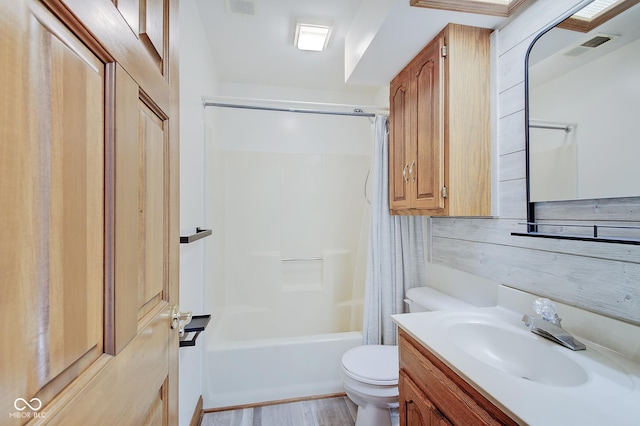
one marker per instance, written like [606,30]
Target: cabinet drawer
[454,397]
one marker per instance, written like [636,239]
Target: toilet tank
[423,299]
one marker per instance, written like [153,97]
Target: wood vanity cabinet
[433,394]
[439,128]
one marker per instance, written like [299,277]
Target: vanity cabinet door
[415,408]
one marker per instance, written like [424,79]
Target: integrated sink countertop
[534,380]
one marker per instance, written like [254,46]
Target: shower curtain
[395,260]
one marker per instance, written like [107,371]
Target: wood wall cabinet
[439,136]
[433,394]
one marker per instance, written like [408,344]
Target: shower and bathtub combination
[286,199]
[245,368]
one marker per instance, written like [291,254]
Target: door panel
[106,23]
[75,228]
[123,389]
[51,206]
[151,282]
[123,313]
[133,385]
[130,10]
[152,29]
[88,216]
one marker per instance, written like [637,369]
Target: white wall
[197,77]
[369,96]
[595,276]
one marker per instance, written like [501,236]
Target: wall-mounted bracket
[193,329]
[200,233]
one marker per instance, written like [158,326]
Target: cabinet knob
[404,173]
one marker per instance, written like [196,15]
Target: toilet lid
[373,364]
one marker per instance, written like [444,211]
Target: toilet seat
[372,364]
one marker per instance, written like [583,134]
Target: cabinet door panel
[399,144]
[428,126]
[416,408]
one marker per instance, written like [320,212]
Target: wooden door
[400,153]
[88,213]
[427,110]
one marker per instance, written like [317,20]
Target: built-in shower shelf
[192,330]
[200,233]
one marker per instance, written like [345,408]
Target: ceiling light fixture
[597,7]
[312,36]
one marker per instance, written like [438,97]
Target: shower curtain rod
[357,111]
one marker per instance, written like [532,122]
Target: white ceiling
[385,35]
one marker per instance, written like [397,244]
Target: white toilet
[370,372]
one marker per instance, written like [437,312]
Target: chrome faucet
[548,325]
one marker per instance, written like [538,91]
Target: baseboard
[198,412]
[281,401]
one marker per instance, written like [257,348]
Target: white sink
[534,380]
[509,350]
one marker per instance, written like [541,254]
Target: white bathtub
[242,369]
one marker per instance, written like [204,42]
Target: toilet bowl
[370,378]
[370,372]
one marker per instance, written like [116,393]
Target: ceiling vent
[589,45]
[241,7]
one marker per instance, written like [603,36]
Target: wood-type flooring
[334,411]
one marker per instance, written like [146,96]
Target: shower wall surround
[294,221]
[292,230]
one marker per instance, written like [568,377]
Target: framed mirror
[582,120]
